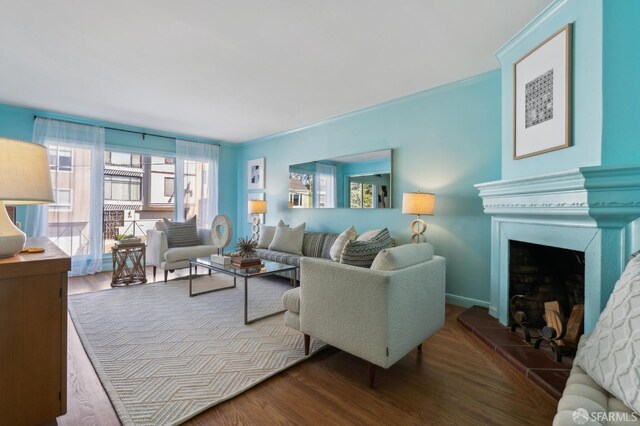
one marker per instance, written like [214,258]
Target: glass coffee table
[267,268]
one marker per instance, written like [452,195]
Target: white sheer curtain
[325,187]
[196,181]
[74,221]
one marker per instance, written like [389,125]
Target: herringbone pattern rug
[164,357]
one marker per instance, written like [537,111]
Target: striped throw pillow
[182,234]
[362,253]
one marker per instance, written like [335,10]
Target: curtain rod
[135,132]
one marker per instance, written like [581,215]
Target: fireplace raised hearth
[590,210]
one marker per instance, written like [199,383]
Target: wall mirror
[359,181]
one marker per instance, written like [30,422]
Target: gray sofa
[314,244]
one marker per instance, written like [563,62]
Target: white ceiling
[237,70]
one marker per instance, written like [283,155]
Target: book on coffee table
[245,263]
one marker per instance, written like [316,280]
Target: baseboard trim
[465,302]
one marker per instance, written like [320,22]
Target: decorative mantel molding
[586,209]
[606,196]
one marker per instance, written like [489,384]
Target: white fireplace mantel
[586,209]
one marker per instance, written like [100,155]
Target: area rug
[164,357]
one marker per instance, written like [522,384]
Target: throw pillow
[288,240]
[267,233]
[362,253]
[368,235]
[402,257]
[341,241]
[182,234]
[611,355]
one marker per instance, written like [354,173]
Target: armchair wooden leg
[166,275]
[307,343]
[420,348]
[154,273]
[372,375]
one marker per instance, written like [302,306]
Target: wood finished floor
[457,380]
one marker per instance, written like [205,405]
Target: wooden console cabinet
[33,335]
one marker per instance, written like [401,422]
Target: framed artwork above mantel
[542,81]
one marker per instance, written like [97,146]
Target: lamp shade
[418,203]
[24,173]
[257,206]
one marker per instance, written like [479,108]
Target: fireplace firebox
[545,274]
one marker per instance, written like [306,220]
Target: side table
[129,264]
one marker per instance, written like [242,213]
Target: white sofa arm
[156,247]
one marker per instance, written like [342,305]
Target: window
[60,159]
[121,188]
[122,159]
[361,195]
[138,191]
[300,190]
[62,199]
[155,172]
[169,184]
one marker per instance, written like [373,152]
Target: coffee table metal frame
[268,268]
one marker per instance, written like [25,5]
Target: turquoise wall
[17,123]
[445,140]
[621,80]
[586,16]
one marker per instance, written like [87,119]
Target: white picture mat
[551,133]
[255,169]
[254,196]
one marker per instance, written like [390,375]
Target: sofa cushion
[278,256]
[404,256]
[291,300]
[176,254]
[312,244]
[346,236]
[362,253]
[288,240]
[329,239]
[182,234]
[611,355]
[267,233]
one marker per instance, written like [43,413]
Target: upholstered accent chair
[159,255]
[377,314]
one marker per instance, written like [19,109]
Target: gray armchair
[376,314]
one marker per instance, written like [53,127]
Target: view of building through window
[68,216]
[300,190]
[138,191]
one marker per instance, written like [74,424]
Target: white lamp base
[418,226]
[12,239]
[255,228]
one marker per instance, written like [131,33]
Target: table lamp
[256,208]
[418,203]
[24,179]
